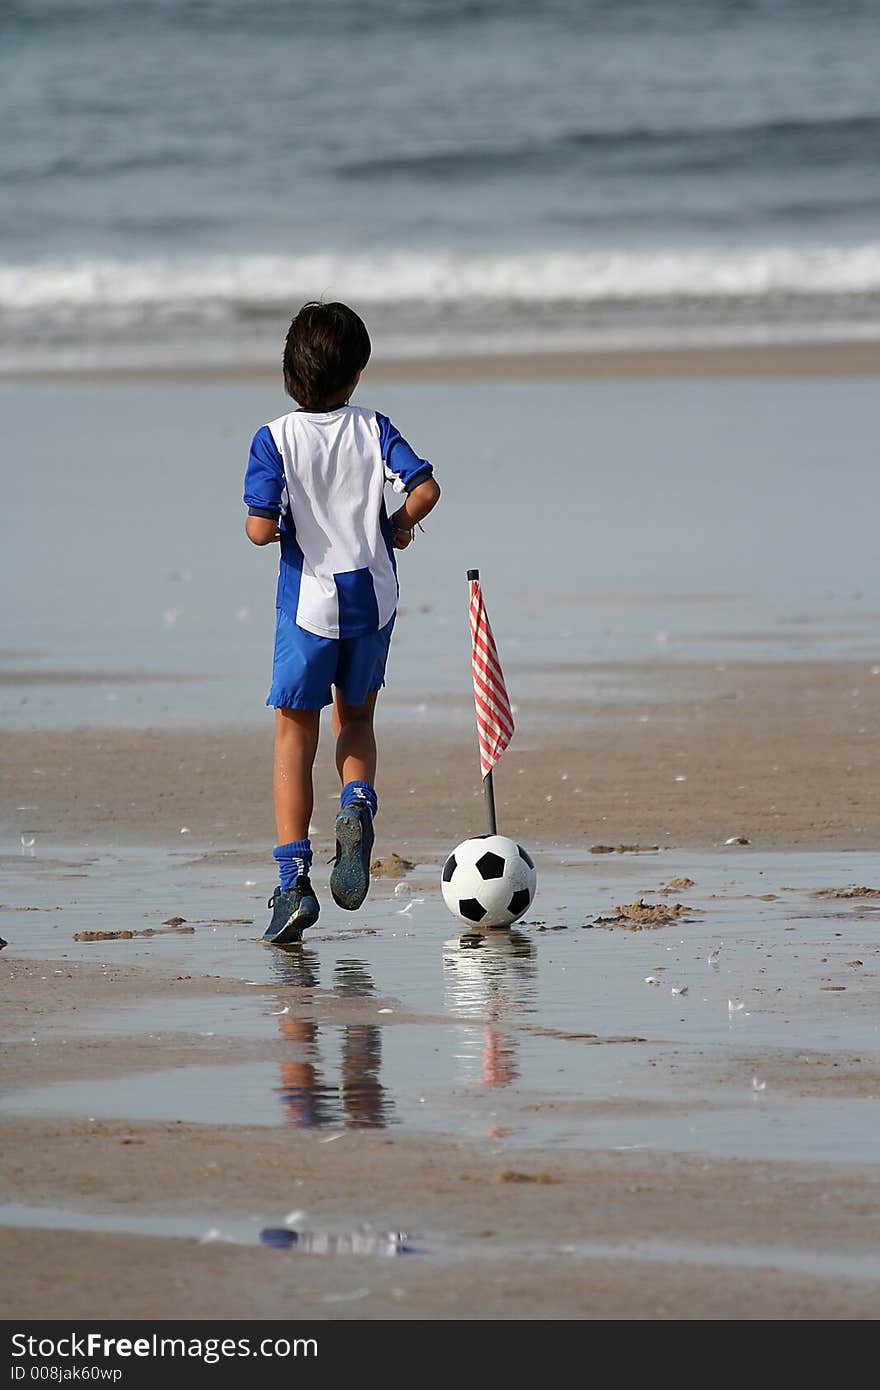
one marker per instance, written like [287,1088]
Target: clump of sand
[623,849]
[675,885]
[393,866]
[845,893]
[514,1175]
[641,916]
[128,935]
[103,935]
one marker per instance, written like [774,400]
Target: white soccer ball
[488,881]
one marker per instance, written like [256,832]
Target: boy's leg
[296,743]
[355,739]
[356,765]
[294,905]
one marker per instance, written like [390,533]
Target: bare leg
[355,740]
[296,743]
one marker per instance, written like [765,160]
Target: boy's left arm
[260,530]
[410,474]
[419,502]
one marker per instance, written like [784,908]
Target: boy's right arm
[263,489]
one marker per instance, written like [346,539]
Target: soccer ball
[488,881]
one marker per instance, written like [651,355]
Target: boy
[315,482]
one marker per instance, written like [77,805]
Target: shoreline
[772,360]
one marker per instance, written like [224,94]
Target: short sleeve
[264,479]
[403,467]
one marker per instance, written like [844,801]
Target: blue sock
[359,791]
[292,859]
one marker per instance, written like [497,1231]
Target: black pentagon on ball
[449,868]
[490,865]
[471,909]
[524,854]
[520,901]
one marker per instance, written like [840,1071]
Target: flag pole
[489,793]
[488,783]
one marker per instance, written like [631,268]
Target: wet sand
[624,1199]
[559,1132]
[538,1232]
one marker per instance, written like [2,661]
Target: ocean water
[179,174]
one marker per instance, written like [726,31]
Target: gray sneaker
[350,878]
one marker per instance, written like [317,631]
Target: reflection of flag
[494,719]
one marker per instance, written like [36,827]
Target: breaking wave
[58,292]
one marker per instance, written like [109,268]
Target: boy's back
[325,471]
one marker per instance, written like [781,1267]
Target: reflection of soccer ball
[489,881]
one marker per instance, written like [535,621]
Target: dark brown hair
[325,348]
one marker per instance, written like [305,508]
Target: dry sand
[782,754]
[826,359]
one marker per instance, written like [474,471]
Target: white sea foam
[224,286]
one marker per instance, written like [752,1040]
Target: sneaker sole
[350,879]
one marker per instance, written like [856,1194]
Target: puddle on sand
[233,1230]
[793,1261]
[536,1037]
[211,1228]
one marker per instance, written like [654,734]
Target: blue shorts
[306,666]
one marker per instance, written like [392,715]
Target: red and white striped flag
[494,717]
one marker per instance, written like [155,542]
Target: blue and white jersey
[323,473]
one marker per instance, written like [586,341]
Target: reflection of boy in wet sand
[315,482]
[302,1090]
[363,1094]
[308,1100]
[303,1093]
